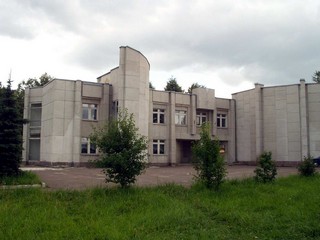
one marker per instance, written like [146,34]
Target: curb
[42,185]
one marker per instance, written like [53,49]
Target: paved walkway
[83,178]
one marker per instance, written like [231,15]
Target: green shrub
[306,167]
[207,159]
[266,170]
[123,151]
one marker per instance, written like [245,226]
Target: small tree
[316,77]
[123,150]
[307,167]
[207,159]
[172,85]
[193,86]
[266,170]
[10,133]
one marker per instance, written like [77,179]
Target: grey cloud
[13,21]
[272,41]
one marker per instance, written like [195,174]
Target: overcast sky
[225,45]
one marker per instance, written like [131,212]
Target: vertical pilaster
[25,144]
[232,131]
[77,121]
[172,138]
[258,118]
[303,120]
[193,113]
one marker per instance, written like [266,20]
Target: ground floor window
[87,147]
[158,146]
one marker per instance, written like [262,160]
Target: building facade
[282,119]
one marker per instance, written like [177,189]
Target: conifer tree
[172,85]
[10,133]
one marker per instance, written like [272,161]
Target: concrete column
[303,120]
[172,135]
[232,131]
[258,118]
[214,122]
[77,122]
[25,143]
[193,114]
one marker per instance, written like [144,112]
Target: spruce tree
[10,133]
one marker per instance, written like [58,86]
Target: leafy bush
[207,159]
[123,150]
[266,170]
[306,167]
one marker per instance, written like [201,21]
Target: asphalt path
[79,178]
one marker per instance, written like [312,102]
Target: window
[221,120]
[115,108]
[158,146]
[89,111]
[87,147]
[158,115]
[35,114]
[181,117]
[35,131]
[201,118]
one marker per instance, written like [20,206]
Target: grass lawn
[25,178]
[286,209]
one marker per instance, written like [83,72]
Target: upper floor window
[158,115]
[35,114]
[89,111]
[201,118]
[87,147]
[158,146]
[222,120]
[181,117]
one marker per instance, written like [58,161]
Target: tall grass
[286,209]
[25,177]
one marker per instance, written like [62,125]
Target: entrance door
[184,152]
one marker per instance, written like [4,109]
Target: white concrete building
[281,119]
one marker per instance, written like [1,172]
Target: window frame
[156,116]
[220,117]
[200,115]
[179,114]
[88,146]
[91,107]
[157,144]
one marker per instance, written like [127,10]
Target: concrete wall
[280,119]
[313,103]
[177,137]
[130,82]
[61,122]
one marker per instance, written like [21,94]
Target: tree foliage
[30,83]
[123,150]
[172,85]
[307,167]
[10,132]
[316,77]
[266,170]
[193,86]
[207,159]
[151,86]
